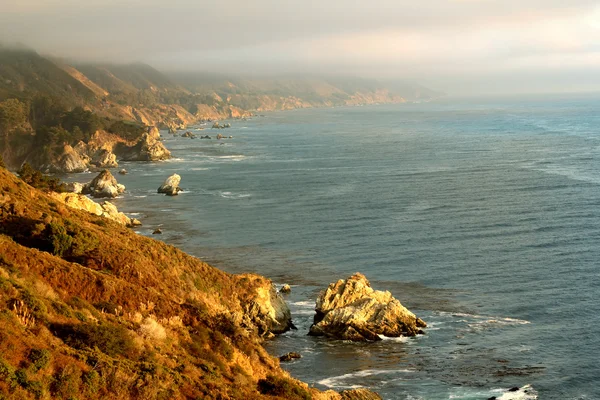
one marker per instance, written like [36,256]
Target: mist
[456,46]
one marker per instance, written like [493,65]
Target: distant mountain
[138,92]
[24,73]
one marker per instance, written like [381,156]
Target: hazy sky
[459,46]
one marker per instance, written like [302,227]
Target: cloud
[423,40]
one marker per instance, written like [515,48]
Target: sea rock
[103,185]
[123,172]
[290,356]
[148,148]
[205,137]
[219,136]
[216,125]
[188,134]
[157,231]
[105,209]
[351,310]
[268,311]
[171,186]
[105,159]
[285,289]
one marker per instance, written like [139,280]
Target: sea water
[480,215]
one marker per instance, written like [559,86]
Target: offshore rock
[290,356]
[285,289]
[351,310]
[103,185]
[148,148]
[171,186]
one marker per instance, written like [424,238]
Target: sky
[456,46]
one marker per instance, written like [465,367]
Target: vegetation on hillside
[90,310]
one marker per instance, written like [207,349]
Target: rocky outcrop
[350,394]
[188,134]
[351,310]
[74,187]
[105,159]
[103,185]
[171,186]
[292,355]
[105,209]
[267,311]
[69,160]
[148,148]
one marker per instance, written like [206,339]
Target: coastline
[281,268]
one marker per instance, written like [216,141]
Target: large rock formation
[266,309]
[171,185]
[104,209]
[103,185]
[351,310]
[69,160]
[105,159]
[148,148]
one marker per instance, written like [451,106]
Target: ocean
[482,216]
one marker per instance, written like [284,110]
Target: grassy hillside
[24,73]
[90,310]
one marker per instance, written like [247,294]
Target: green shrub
[60,240]
[35,178]
[110,339]
[39,358]
[91,380]
[275,386]
[7,373]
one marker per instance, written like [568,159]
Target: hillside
[91,310]
[24,74]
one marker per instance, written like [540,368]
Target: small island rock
[351,310]
[290,356]
[171,186]
[285,289]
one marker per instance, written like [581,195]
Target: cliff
[89,309]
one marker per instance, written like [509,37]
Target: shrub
[91,380]
[276,386]
[152,330]
[35,178]
[60,240]
[39,358]
[7,373]
[110,339]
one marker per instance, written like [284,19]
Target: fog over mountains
[457,46]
